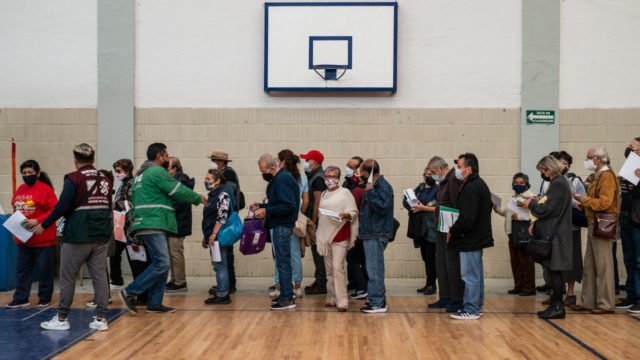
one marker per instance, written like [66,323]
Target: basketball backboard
[348,46]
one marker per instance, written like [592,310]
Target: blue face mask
[459,175]
[519,189]
[307,167]
[348,172]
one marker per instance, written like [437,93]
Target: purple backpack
[254,236]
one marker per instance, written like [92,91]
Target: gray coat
[554,218]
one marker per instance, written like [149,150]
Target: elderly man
[630,234]
[603,193]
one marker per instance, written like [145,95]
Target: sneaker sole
[289,307]
[359,297]
[98,328]
[624,307]
[176,291]
[378,311]
[160,311]
[465,317]
[43,306]
[124,302]
[633,311]
[18,306]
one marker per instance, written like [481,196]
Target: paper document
[522,213]
[412,200]
[330,214]
[16,225]
[140,255]
[629,167]
[446,218]
[496,200]
[118,226]
[215,252]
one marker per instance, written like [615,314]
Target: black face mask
[165,165]
[267,177]
[519,189]
[364,178]
[30,179]
[545,178]
[429,180]
[627,151]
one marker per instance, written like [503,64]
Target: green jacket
[152,191]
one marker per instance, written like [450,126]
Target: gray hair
[551,164]
[438,162]
[84,153]
[176,163]
[332,168]
[268,160]
[602,153]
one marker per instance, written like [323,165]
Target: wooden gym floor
[246,329]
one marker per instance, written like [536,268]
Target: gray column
[540,83]
[115,81]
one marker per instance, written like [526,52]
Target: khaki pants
[176,255]
[598,288]
[336,280]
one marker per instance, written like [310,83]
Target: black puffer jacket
[183,211]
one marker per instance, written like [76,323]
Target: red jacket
[36,202]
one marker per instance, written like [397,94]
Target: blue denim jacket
[376,214]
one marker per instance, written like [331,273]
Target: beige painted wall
[401,139]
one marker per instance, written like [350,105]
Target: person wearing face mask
[470,234]
[523,269]
[551,217]
[335,236]
[175,241]
[86,204]
[603,193]
[315,175]
[451,287]
[630,235]
[35,199]
[351,180]
[153,217]
[356,260]
[422,227]
[280,213]
[220,160]
[214,216]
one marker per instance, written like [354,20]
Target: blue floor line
[576,340]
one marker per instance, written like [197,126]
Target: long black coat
[472,230]
[554,218]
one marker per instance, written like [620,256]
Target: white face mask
[589,165]
[348,172]
[121,176]
[459,174]
[213,166]
[307,167]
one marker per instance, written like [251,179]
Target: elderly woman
[552,218]
[337,232]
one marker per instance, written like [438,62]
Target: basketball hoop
[331,72]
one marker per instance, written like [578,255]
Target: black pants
[38,263]
[231,268]
[448,269]
[320,274]
[557,286]
[356,268]
[428,253]
[137,267]
[115,263]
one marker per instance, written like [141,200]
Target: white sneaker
[100,325]
[55,324]
[115,287]
[298,293]
[275,292]
[463,315]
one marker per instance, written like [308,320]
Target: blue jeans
[296,261]
[374,260]
[630,235]
[281,241]
[222,271]
[154,277]
[472,274]
[30,261]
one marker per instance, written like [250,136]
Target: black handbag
[520,234]
[396,226]
[417,227]
[539,248]
[635,211]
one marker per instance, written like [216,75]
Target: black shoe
[161,310]
[232,290]
[278,306]
[514,291]
[313,285]
[440,304]
[554,311]
[527,293]
[212,290]
[218,300]
[128,301]
[624,304]
[17,304]
[430,290]
[422,289]
[351,287]
[316,290]
[176,288]
[453,307]
[543,288]
[170,284]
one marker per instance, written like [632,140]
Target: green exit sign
[541,117]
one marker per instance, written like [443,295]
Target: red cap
[313,155]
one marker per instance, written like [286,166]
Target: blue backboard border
[392,89]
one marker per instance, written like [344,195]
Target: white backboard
[306,40]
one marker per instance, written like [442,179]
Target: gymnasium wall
[198,87]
